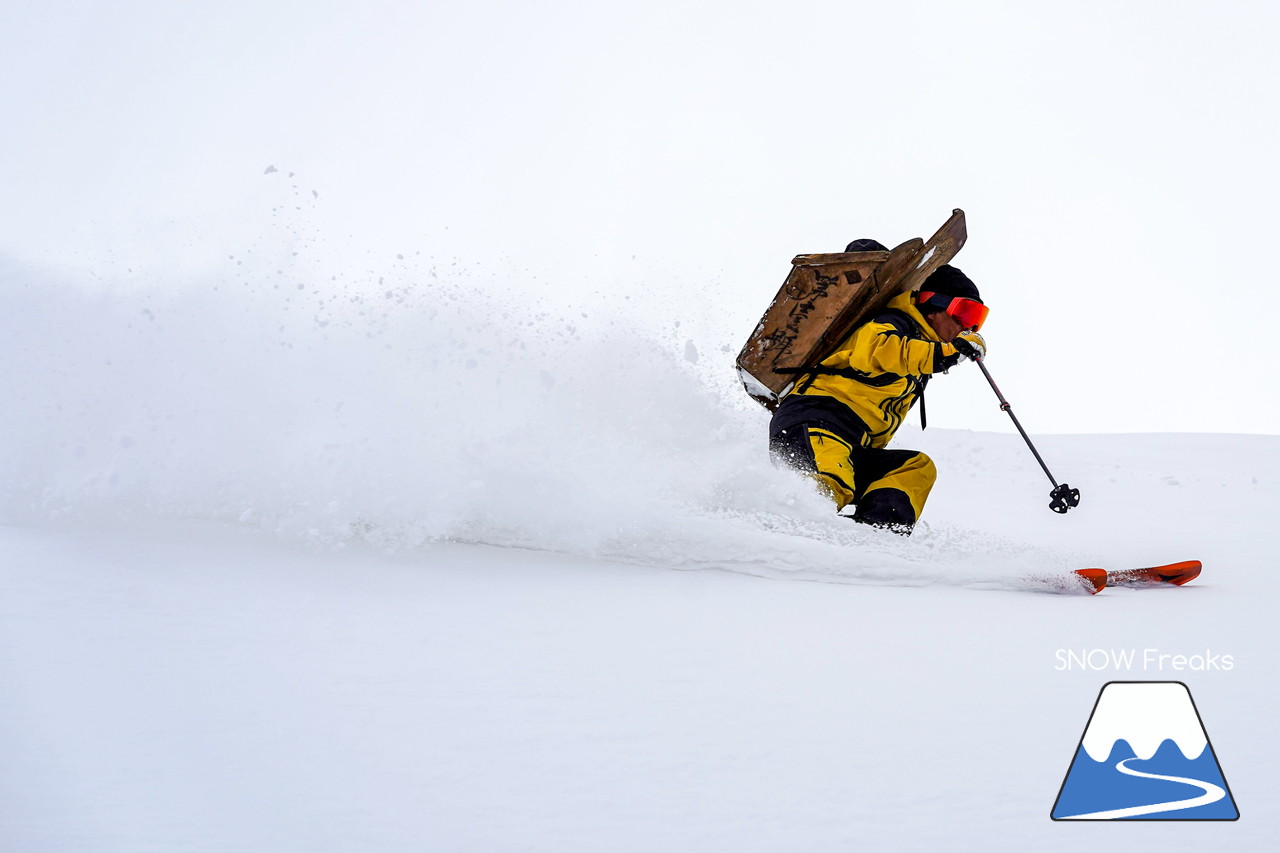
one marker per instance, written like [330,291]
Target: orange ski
[1174,573]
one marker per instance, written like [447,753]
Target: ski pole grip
[966,349]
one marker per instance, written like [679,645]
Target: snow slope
[397,567]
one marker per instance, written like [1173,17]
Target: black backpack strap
[900,321]
[908,326]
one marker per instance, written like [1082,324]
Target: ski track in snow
[777,547]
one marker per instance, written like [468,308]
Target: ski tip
[1095,580]
[1172,574]
[1180,573]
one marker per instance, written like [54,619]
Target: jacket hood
[906,303]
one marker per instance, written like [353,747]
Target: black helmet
[866,245]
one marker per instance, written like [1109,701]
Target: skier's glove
[970,345]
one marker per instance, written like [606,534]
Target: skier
[835,425]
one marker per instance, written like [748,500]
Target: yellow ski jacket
[875,376]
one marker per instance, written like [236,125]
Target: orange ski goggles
[969,313]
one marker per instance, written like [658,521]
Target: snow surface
[392,566]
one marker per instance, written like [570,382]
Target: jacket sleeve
[880,347]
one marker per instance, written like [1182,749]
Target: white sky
[1116,160]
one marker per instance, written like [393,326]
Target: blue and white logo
[1145,755]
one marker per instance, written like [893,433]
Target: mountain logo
[1145,755]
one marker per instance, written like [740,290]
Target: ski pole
[1063,497]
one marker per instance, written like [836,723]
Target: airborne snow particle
[690,352]
[270,169]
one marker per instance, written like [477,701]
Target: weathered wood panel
[823,300]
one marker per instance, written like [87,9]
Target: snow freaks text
[1144,660]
